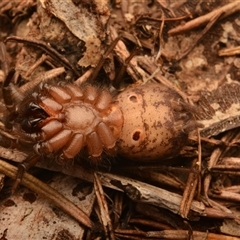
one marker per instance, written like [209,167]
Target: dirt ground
[191,47]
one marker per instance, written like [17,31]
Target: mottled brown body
[144,123]
[154,121]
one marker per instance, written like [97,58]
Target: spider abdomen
[154,121]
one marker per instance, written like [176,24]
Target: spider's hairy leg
[123,68]
[23,167]
[47,49]
[95,147]
[3,58]
[11,93]
[102,60]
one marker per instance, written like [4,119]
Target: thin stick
[47,49]
[107,224]
[49,193]
[224,11]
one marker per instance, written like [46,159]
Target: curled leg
[75,92]
[50,129]
[58,93]
[103,101]
[90,93]
[114,119]
[94,146]
[54,144]
[73,147]
[106,135]
[50,106]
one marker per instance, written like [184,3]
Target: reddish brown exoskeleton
[62,119]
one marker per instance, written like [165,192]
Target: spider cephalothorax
[62,119]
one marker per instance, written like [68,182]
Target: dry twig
[105,218]
[49,193]
[223,11]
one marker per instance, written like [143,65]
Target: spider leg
[74,146]
[106,135]
[94,146]
[29,162]
[103,100]
[3,58]
[47,49]
[11,93]
[119,76]
[102,60]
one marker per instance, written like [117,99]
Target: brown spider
[145,123]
